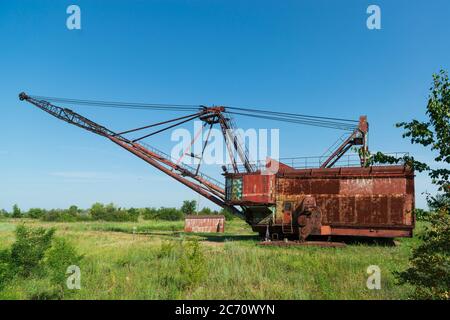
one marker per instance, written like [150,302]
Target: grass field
[131,261]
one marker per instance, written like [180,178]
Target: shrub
[421,214]
[58,258]
[192,263]
[429,270]
[3,213]
[74,211]
[6,272]
[27,252]
[16,213]
[206,211]
[37,253]
[227,214]
[149,213]
[133,214]
[36,213]
[187,264]
[189,207]
[110,212]
[58,215]
[170,214]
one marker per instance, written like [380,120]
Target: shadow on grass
[380,242]
[213,237]
[223,237]
[227,237]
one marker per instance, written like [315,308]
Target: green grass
[124,261]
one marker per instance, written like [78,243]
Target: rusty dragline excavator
[278,199]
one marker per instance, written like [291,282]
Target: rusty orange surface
[370,201]
[204,224]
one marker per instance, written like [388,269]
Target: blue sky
[312,57]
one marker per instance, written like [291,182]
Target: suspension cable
[157,124]
[166,128]
[297,115]
[339,126]
[319,121]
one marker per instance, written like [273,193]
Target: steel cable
[319,121]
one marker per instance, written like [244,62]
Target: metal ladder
[287,228]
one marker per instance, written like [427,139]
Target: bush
[206,211]
[192,263]
[58,258]
[149,213]
[16,213]
[38,254]
[188,207]
[421,214]
[36,213]
[133,214]
[3,213]
[170,214]
[58,215]
[429,270]
[186,264]
[27,252]
[227,214]
[6,271]
[110,212]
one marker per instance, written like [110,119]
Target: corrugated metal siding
[204,224]
[355,197]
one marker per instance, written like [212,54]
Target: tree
[35,213]
[429,266]
[58,257]
[97,211]
[16,213]
[206,211]
[433,134]
[227,214]
[189,207]
[73,210]
[27,253]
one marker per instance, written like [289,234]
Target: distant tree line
[110,212]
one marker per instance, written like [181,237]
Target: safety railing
[348,160]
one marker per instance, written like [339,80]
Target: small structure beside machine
[204,224]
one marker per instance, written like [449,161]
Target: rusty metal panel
[379,233]
[360,199]
[356,186]
[325,186]
[354,196]
[204,224]
[258,188]
[288,187]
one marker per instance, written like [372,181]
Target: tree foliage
[189,207]
[27,253]
[429,267]
[58,258]
[16,212]
[433,134]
